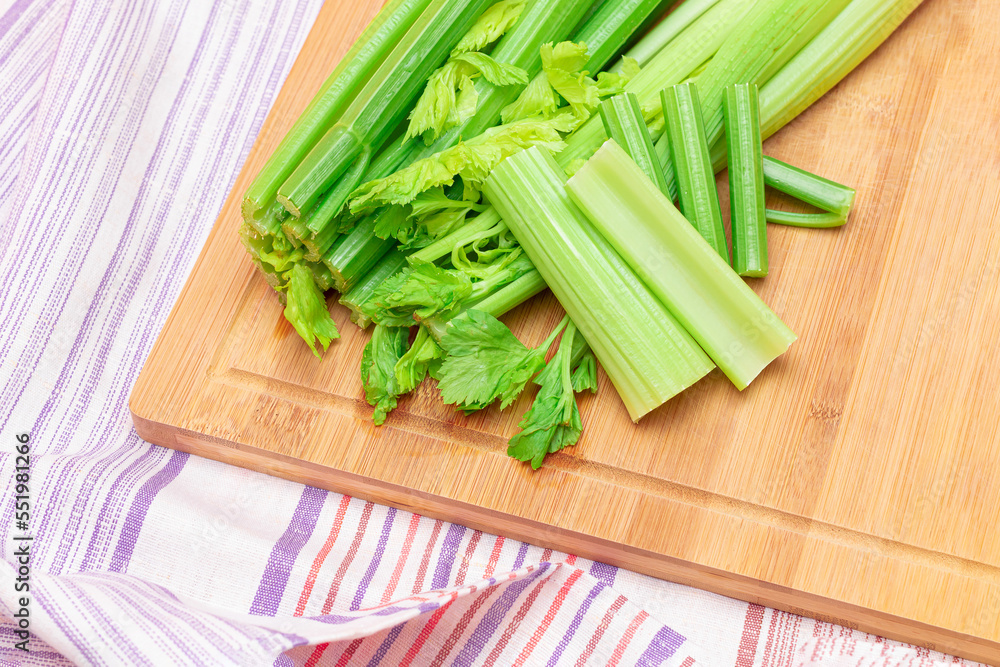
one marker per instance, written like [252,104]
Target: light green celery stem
[810,188]
[746,180]
[321,274]
[699,194]
[318,245]
[840,47]
[624,123]
[737,330]
[337,91]
[769,36]
[462,236]
[824,62]
[355,254]
[541,22]
[294,231]
[507,298]
[386,98]
[668,29]
[614,25]
[269,224]
[810,220]
[646,353]
[671,65]
[333,199]
[357,296]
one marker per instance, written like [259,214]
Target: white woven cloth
[123,125]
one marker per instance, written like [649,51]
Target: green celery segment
[357,65]
[649,357]
[692,164]
[676,22]
[624,123]
[746,180]
[378,108]
[810,220]
[612,26]
[355,254]
[810,188]
[730,322]
[355,298]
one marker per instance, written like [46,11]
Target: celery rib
[810,188]
[809,220]
[354,69]
[623,122]
[646,353]
[746,180]
[730,322]
[692,164]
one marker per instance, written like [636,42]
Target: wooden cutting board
[856,481]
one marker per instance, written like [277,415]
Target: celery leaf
[423,357]
[378,363]
[485,362]
[490,26]
[306,309]
[419,292]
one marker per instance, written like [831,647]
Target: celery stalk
[354,254]
[506,298]
[810,220]
[692,164]
[460,237]
[357,65]
[769,36]
[623,122]
[646,353]
[840,47]
[383,102]
[810,188]
[746,180]
[739,332]
[668,29]
[357,296]
[613,24]
[673,64]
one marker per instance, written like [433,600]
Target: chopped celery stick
[358,295]
[354,254]
[357,65]
[692,164]
[811,220]
[666,30]
[623,122]
[333,200]
[810,188]
[739,332]
[375,111]
[649,357]
[746,180]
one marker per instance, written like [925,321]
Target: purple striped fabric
[123,124]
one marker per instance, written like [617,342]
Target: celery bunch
[378,189]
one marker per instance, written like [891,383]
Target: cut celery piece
[810,188]
[739,332]
[810,220]
[746,180]
[692,164]
[623,122]
[668,29]
[647,355]
[357,296]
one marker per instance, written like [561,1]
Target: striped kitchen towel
[123,124]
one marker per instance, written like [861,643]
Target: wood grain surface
[855,481]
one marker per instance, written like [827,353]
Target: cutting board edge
[646,562]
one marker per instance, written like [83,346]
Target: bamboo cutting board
[855,481]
